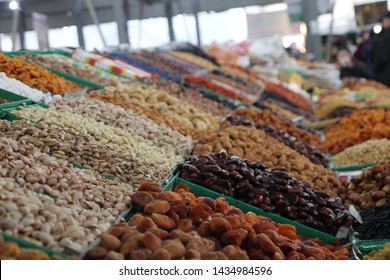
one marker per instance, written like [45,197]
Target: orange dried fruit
[157,206]
[200,211]
[163,222]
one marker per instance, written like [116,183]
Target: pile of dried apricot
[178,225]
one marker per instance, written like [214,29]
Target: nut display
[381,254]
[271,190]
[309,151]
[370,189]
[35,76]
[266,117]
[151,98]
[203,228]
[254,145]
[138,126]
[360,126]
[371,151]
[109,135]
[51,203]
[189,57]
[82,150]
[376,223]
[127,103]
[190,96]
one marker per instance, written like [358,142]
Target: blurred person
[380,52]
[363,52]
[350,67]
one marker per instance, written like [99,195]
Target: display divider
[15,99]
[366,246]
[301,229]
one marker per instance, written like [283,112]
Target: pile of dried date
[271,190]
[177,225]
[310,151]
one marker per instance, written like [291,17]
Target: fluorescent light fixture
[13,5]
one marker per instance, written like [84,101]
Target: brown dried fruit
[221,256]
[137,255]
[11,250]
[32,254]
[151,241]
[266,244]
[161,254]
[141,198]
[255,254]
[208,201]
[218,226]
[119,229]
[163,221]
[192,254]
[129,235]
[185,225]
[157,206]
[160,233]
[136,219]
[181,186]
[232,237]
[175,247]
[235,220]
[209,256]
[181,235]
[172,197]
[200,211]
[109,242]
[180,210]
[98,253]
[204,229]
[241,255]
[197,245]
[278,256]
[230,250]
[114,256]
[150,187]
[175,217]
[128,246]
[145,224]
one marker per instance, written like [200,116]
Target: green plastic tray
[301,229]
[39,52]
[14,99]
[366,246]
[27,244]
[352,167]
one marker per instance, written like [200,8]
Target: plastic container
[366,246]
[14,99]
[352,167]
[301,229]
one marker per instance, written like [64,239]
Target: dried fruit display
[138,126]
[271,190]
[376,223]
[280,111]
[190,96]
[218,88]
[254,145]
[111,136]
[382,254]
[244,88]
[126,102]
[290,108]
[370,189]
[326,109]
[361,126]
[51,203]
[243,73]
[371,151]
[176,225]
[35,76]
[309,151]
[83,150]
[72,67]
[357,84]
[266,117]
[288,95]
[189,57]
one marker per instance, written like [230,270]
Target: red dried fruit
[172,197]
[181,186]
[157,206]
[180,210]
[266,244]
[204,229]
[141,198]
[218,226]
[208,201]
[149,187]
[232,237]
[235,220]
[200,211]
[263,225]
